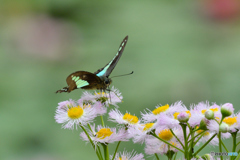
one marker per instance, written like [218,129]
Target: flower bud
[209,114]
[227,110]
[203,124]
[223,127]
[206,157]
[183,117]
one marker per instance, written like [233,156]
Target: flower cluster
[165,130]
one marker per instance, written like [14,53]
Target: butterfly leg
[65,89]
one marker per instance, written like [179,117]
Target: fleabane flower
[140,132]
[198,112]
[232,123]
[205,136]
[128,156]
[151,116]
[113,97]
[63,105]
[105,135]
[154,145]
[127,118]
[71,115]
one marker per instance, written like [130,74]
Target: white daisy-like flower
[154,145]
[127,119]
[109,98]
[167,121]
[206,136]
[213,127]
[140,132]
[232,122]
[64,104]
[151,116]
[105,135]
[128,156]
[69,114]
[87,98]
[198,112]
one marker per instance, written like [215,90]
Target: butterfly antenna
[123,75]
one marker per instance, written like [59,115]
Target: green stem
[106,151]
[234,137]
[153,134]
[199,138]
[238,157]
[156,156]
[220,144]
[102,121]
[196,135]
[237,144]
[177,138]
[191,144]
[184,128]
[224,146]
[204,145]
[90,140]
[116,150]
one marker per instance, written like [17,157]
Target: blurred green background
[178,50]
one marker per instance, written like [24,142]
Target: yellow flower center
[130,118]
[75,112]
[165,134]
[160,109]
[103,97]
[177,113]
[104,132]
[148,126]
[230,120]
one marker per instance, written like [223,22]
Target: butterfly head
[107,81]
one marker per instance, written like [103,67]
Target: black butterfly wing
[84,80]
[106,70]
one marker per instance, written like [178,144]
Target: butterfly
[98,80]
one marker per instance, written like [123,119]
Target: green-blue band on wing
[81,83]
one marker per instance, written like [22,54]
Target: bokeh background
[178,50]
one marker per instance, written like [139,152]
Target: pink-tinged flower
[232,122]
[111,98]
[205,137]
[213,127]
[63,105]
[151,116]
[127,118]
[105,135]
[70,114]
[167,121]
[227,109]
[238,121]
[140,132]
[87,98]
[198,112]
[154,145]
[128,156]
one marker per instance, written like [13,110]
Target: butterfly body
[99,80]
